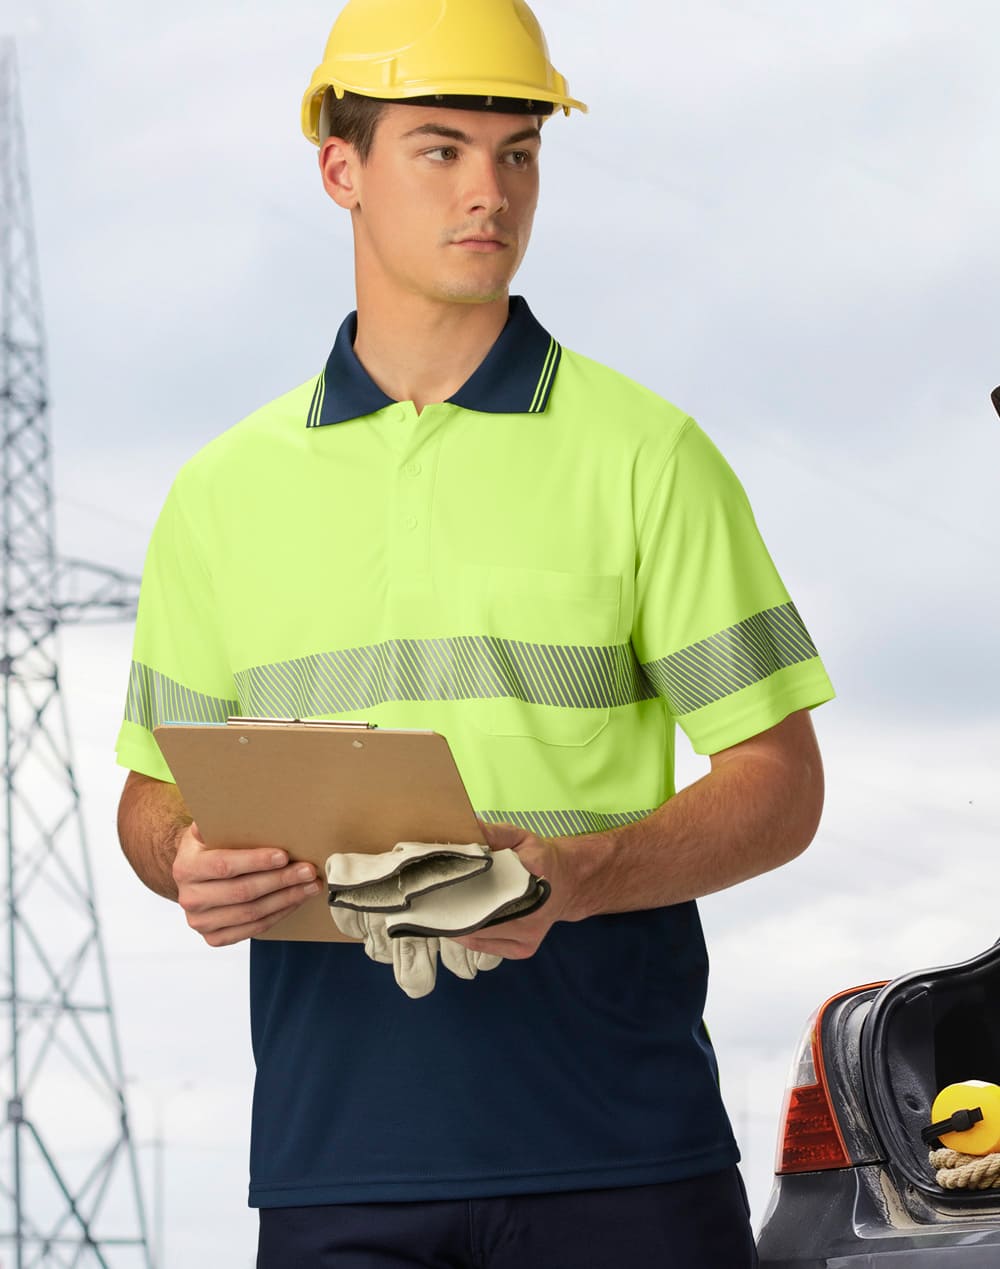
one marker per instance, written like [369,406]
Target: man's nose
[486,194]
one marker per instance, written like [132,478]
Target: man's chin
[479,294]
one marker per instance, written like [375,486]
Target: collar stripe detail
[564,823]
[467,667]
[541,397]
[746,653]
[316,408]
[153,699]
[515,376]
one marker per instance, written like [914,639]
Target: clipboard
[315,788]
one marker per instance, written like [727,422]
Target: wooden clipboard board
[315,788]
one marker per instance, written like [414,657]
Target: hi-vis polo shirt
[552,568]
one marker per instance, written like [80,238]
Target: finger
[349,922]
[535,856]
[505,950]
[504,836]
[228,935]
[415,965]
[211,865]
[196,833]
[503,937]
[378,945]
[211,920]
[508,949]
[200,896]
[458,959]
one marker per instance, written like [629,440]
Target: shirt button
[413,469]
[411,522]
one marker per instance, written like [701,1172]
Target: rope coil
[956,1171]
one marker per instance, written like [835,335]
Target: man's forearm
[758,808]
[152,818]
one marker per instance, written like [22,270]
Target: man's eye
[519,158]
[444,153]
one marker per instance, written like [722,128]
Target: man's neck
[422,351]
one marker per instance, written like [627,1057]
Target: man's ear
[339,166]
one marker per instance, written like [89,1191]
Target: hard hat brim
[460,95]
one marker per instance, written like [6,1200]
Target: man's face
[444,205]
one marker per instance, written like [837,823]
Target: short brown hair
[353,119]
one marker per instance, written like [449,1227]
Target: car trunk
[927,1030]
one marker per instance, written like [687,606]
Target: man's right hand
[231,895]
[228,895]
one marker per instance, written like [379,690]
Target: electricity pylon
[69,1183]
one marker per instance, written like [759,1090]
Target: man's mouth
[481,242]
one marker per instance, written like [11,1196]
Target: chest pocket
[550,637]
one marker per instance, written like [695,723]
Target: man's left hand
[545,857]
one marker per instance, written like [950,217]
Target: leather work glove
[388,882]
[414,960]
[404,902]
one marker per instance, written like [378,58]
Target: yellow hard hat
[398,50]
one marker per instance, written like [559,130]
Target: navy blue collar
[515,377]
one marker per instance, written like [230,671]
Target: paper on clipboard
[313,788]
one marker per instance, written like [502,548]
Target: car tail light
[810,1139]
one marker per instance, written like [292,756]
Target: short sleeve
[180,670]
[715,630]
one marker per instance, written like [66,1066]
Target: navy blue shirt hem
[427,1189]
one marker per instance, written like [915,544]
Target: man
[459,525]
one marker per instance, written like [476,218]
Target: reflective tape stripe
[153,699]
[468,667]
[746,653]
[564,823]
[479,667]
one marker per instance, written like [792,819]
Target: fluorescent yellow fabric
[552,591]
[551,570]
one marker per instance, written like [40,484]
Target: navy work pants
[701,1223]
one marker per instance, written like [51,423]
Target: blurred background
[782,217]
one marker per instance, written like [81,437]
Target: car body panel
[853,1218]
[885,1050]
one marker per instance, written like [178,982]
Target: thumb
[196,833]
[504,836]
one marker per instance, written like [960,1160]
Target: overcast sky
[782,216]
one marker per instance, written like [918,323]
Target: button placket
[413,511]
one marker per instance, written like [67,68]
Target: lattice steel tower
[69,1184]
